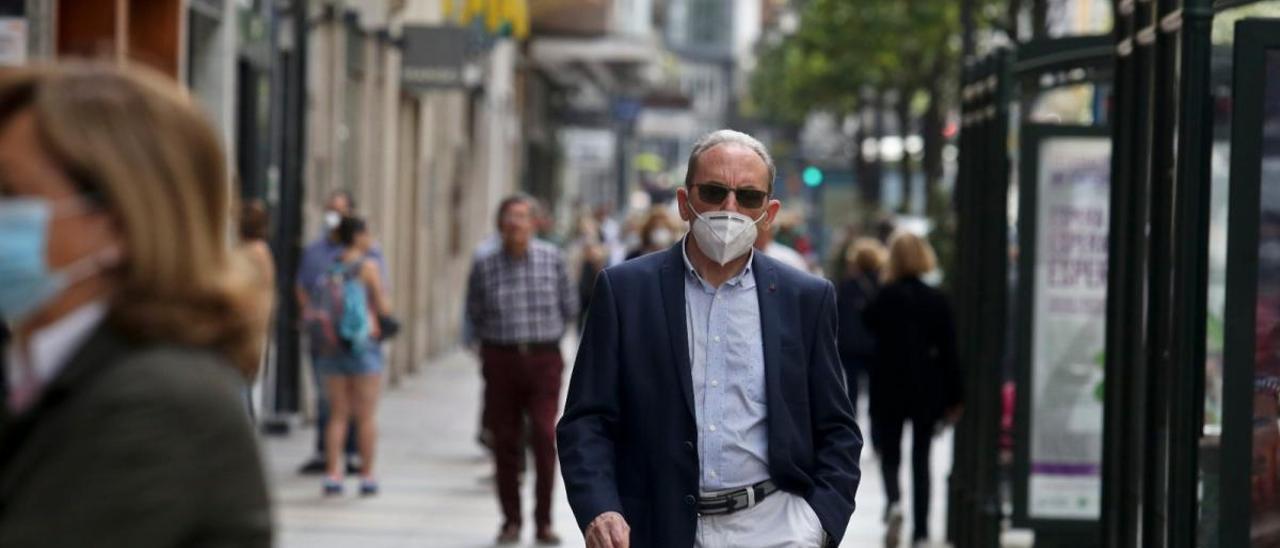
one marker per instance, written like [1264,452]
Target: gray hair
[723,137]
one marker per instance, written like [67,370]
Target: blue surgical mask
[27,283]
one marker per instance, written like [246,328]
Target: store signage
[433,57]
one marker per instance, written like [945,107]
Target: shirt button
[717,339]
[689,500]
[713,428]
[715,383]
[713,473]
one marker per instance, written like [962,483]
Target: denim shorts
[363,362]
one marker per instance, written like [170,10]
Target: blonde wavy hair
[910,256]
[139,142]
[866,255]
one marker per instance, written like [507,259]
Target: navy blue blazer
[628,437]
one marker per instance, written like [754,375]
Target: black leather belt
[525,347]
[734,501]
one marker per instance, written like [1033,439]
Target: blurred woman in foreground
[135,324]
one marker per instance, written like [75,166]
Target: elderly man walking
[707,406]
[519,299]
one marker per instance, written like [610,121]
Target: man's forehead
[730,160]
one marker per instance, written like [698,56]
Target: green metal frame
[1094,54]
[1193,196]
[1253,39]
[974,504]
[1049,532]
[1159,273]
[1119,518]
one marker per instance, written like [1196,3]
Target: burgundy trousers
[518,385]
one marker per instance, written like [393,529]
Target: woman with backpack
[353,299]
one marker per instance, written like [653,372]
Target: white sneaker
[893,524]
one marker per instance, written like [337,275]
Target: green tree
[854,56]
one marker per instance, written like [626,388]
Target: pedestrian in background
[254,224]
[318,256]
[591,257]
[136,322]
[863,261]
[658,231]
[351,300]
[521,301]
[767,242]
[915,376]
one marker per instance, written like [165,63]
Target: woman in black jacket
[915,376]
[864,259]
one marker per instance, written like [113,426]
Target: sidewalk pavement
[436,487]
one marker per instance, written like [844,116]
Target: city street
[435,478]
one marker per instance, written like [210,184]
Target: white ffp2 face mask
[724,235]
[331,220]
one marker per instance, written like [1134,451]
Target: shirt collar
[52,347]
[745,278]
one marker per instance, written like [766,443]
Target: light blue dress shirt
[727,359]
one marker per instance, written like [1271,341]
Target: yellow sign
[504,17]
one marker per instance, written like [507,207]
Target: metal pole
[1194,195]
[959,481]
[1119,482]
[993,295]
[288,244]
[1158,134]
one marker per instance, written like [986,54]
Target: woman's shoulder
[174,378]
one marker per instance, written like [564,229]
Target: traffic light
[813,176]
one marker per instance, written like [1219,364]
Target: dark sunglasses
[749,198]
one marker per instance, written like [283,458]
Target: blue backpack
[337,315]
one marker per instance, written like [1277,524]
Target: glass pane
[1266,405]
[1220,163]
[1062,18]
[1221,89]
[1079,17]
[1079,104]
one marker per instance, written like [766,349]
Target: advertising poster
[1068,331]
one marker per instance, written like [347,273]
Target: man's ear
[771,212]
[682,203]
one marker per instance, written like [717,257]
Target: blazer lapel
[767,295]
[672,281]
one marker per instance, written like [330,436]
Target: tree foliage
[843,47]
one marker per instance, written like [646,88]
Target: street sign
[433,58]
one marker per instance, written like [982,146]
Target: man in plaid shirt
[520,300]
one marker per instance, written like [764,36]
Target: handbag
[388,325]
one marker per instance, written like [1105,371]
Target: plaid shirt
[525,300]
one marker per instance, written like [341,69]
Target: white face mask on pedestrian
[331,220]
[724,235]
